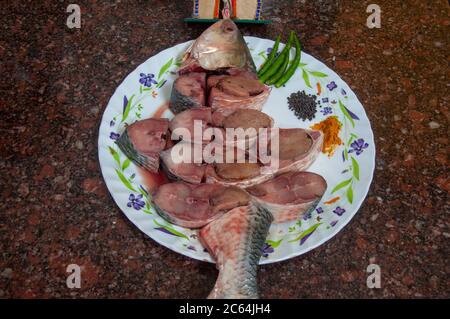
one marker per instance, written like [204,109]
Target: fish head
[222,46]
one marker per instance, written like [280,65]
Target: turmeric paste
[330,128]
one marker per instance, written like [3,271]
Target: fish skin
[235,241]
[150,163]
[143,149]
[219,46]
[181,101]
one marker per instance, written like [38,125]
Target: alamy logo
[374,279]
[74,279]
[374,20]
[74,19]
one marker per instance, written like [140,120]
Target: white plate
[351,166]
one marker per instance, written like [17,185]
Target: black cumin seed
[304,106]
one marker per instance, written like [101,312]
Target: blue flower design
[319,210]
[358,146]
[114,136]
[112,123]
[325,100]
[307,216]
[343,92]
[332,86]
[327,110]
[269,50]
[339,211]
[333,223]
[266,250]
[136,202]
[147,79]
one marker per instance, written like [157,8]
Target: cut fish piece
[289,196]
[240,86]
[236,174]
[237,92]
[186,120]
[219,46]
[194,206]
[298,149]
[143,141]
[237,171]
[241,118]
[181,166]
[213,79]
[188,92]
[245,121]
[235,241]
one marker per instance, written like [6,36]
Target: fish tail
[237,279]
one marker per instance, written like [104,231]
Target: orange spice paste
[330,127]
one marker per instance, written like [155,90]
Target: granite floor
[55,209]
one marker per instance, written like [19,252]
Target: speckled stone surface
[55,209]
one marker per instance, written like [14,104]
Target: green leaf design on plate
[124,180]
[115,155]
[161,83]
[171,230]
[274,244]
[350,139]
[306,78]
[318,74]
[301,65]
[341,185]
[355,168]
[350,194]
[127,109]
[306,232]
[147,211]
[125,164]
[165,67]
[179,61]
[142,192]
[344,110]
[263,55]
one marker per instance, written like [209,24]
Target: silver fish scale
[127,147]
[259,221]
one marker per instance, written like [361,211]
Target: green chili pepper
[273,79]
[279,60]
[293,66]
[271,56]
